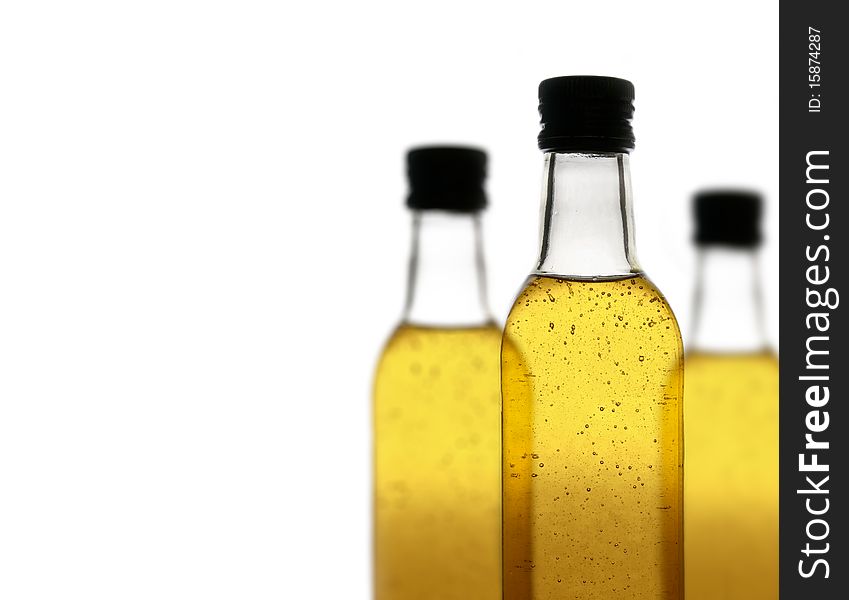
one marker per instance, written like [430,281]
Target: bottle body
[591,377]
[437,425]
[731,410]
[592,436]
[731,487]
[437,464]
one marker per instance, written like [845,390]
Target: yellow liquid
[731,483]
[591,385]
[437,429]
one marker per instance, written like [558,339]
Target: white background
[203,244]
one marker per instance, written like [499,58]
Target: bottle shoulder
[569,318]
[560,295]
[411,339]
[416,356]
[764,362]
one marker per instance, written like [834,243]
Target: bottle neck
[727,313]
[587,222]
[447,277]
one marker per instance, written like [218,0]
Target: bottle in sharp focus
[591,377]
[437,425]
[731,412]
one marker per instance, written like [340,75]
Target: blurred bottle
[730,412]
[591,377]
[437,420]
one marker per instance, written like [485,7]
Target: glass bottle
[731,412]
[591,377]
[437,400]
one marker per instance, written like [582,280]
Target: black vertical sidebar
[814,224]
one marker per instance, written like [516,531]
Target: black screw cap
[728,218]
[446,178]
[586,113]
